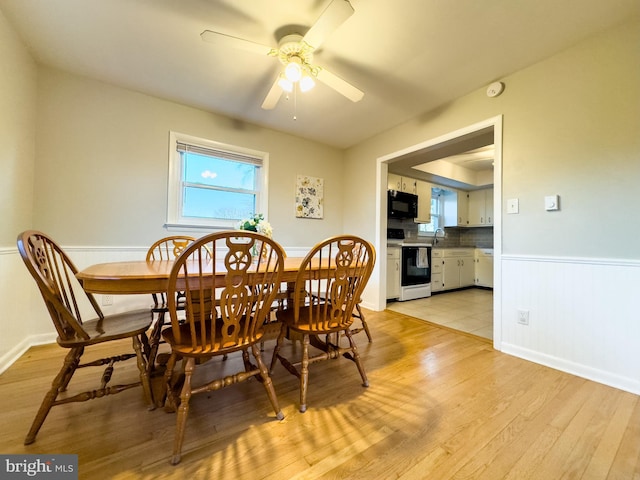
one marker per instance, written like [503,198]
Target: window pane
[218,172]
[207,203]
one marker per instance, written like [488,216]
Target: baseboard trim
[600,376]
[16,352]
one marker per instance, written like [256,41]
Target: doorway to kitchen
[473,310]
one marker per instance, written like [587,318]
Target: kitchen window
[213,185]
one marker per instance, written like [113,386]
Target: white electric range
[415,265]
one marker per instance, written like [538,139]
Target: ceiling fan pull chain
[295,101]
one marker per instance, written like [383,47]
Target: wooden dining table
[140,276]
[148,277]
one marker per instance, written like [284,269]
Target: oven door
[416,266]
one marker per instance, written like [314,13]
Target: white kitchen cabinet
[480,207]
[402,184]
[458,268]
[484,267]
[423,190]
[393,272]
[436,270]
[455,208]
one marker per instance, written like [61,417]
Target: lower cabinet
[484,267]
[436,270]
[393,272]
[456,268]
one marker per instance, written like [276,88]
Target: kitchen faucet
[435,235]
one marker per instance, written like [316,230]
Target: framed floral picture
[309,197]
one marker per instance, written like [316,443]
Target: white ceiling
[408,56]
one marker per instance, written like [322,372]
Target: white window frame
[175,220]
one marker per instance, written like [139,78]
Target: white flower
[256,224]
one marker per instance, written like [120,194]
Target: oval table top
[139,277]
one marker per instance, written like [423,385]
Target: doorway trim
[382,169]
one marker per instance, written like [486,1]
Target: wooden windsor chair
[167,248]
[66,302]
[323,304]
[227,300]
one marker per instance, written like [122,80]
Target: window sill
[183,227]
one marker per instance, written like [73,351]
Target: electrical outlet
[107,300]
[523,317]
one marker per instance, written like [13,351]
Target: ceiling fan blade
[235,42]
[273,96]
[339,85]
[333,16]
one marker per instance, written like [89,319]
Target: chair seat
[287,316]
[186,349]
[112,327]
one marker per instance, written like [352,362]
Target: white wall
[570,127]
[103,161]
[18,92]
[17,134]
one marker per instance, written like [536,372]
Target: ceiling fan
[295,51]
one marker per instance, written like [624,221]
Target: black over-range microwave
[402,204]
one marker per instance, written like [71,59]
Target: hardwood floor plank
[440,405]
[616,422]
[626,463]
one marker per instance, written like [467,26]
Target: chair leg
[247,361]
[59,384]
[304,373]
[356,359]
[279,341]
[144,372]
[77,353]
[364,322]
[183,411]
[266,381]
[154,341]
[170,403]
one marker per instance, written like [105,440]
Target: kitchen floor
[469,310]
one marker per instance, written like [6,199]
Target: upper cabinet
[480,208]
[402,184]
[455,208]
[423,190]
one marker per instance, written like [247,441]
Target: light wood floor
[441,405]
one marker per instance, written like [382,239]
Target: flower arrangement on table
[256,224]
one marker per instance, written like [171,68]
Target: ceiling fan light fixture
[306,83]
[293,70]
[285,84]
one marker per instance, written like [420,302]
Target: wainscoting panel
[24,321]
[583,316]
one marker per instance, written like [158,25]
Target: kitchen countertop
[407,243]
[465,248]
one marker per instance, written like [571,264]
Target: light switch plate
[512,205]
[551,203]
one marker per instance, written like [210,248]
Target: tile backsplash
[481,237]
